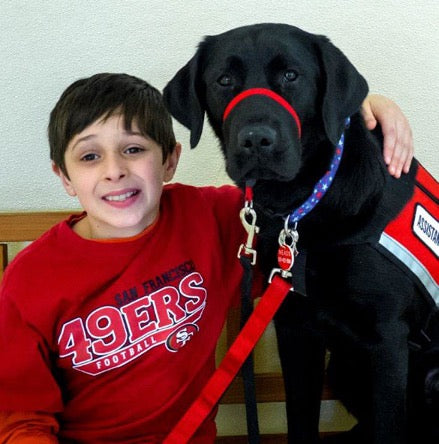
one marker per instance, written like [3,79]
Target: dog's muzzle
[259,143]
[268,93]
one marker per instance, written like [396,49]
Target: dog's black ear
[344,89]
[182,99]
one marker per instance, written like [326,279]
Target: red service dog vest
[413,236]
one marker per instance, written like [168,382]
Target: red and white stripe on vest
[413,236]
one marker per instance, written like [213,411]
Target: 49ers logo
[111,337]
[179,338]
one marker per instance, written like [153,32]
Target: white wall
[45,45]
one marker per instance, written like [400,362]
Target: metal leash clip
[251,229]
[286,253]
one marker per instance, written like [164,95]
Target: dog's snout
[256,139]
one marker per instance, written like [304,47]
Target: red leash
[231,363]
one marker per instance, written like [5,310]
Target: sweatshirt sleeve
[28,428]
[26,379]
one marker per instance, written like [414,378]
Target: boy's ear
[64,180]
[171,163]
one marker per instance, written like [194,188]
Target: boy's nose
[114,169]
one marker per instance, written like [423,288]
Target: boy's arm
[28,428]
[398,138]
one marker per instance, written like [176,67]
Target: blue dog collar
[322,185]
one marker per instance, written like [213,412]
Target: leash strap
[247,257]
[231,363]
[247,370]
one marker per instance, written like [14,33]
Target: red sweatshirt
[117,338]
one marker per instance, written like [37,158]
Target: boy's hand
[398,139]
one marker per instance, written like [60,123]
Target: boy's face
[118,177]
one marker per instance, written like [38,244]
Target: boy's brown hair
[105,94]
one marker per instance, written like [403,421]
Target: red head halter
[264,92]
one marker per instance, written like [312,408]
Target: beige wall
[45,45]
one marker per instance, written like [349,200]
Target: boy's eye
[89,157]
[134,150]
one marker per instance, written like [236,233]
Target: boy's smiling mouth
[120,197]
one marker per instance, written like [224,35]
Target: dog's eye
[225,80]
[290,75]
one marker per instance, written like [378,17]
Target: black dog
[278,98]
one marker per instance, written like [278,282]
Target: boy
[109,321]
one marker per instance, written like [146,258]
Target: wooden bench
[27,226]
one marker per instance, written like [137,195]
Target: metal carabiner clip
[251,229]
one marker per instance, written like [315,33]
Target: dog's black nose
[257,139]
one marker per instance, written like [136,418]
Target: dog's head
[313,88]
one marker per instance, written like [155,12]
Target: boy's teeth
[121,197]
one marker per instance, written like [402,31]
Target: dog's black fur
[359,304]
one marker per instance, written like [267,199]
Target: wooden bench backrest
[23,227]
